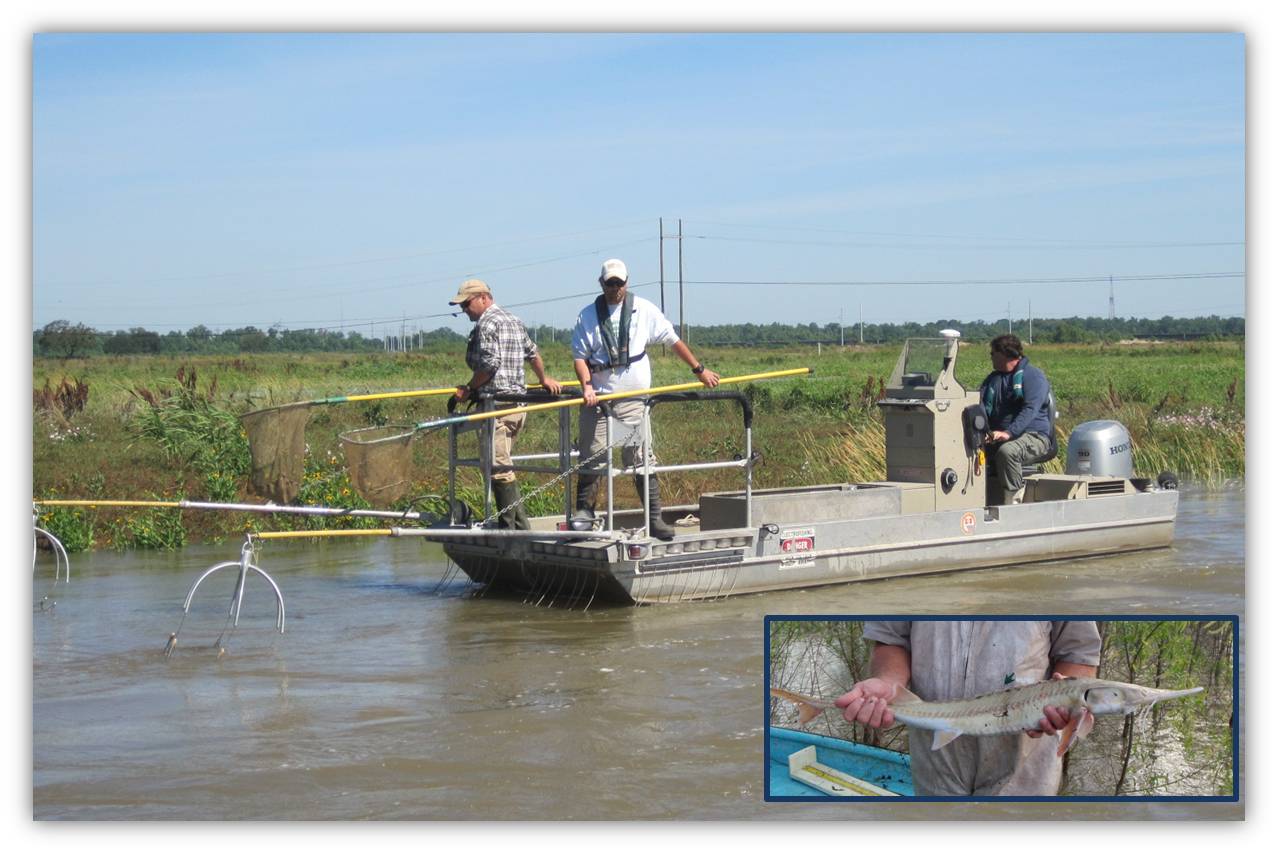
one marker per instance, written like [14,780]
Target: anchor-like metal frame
[245,565]
[61,559]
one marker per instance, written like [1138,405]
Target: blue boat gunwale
[828,748]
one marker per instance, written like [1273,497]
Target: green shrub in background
[195,432]
[152,528]
[73,526]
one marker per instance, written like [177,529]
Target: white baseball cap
[613,269]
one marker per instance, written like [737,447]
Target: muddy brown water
[391,696]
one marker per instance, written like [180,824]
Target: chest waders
[618,347]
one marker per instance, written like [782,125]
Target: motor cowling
[1099,448]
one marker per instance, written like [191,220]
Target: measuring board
[805,768]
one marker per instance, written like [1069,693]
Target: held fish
[1015,709]
[809,707]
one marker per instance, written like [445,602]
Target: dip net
[277,445]
[379,460]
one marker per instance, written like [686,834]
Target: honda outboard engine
[1101,449]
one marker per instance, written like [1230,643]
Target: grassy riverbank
[164,427]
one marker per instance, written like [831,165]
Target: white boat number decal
[968,523]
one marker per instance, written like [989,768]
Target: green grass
[1183,404]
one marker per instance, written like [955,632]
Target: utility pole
[860,316]
[1009,317]
[683,327]
[1029,308]
[661,260]
[1111,297]
[840,327]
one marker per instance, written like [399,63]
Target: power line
[796,283]
[280,294]
[969,247]
[338,264]
[400,318]
[1058,241]
[1018,281]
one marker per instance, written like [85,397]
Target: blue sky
[353,180]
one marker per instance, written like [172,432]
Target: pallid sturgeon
[1015,709]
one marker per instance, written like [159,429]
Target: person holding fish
[940,660]
[495,352]
[608,356]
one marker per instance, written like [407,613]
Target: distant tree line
[1067,330]
[63,339]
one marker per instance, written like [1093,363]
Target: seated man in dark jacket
[1016,399]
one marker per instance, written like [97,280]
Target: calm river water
[391,697]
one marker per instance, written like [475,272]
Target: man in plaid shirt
[498,347]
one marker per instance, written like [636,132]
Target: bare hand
[708,378]
[1054,717]
[867,703]
[1053,721]
[589,395]
[551,386]
[1000,436]
[463,392]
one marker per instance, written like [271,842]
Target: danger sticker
[798,541]
[968,523]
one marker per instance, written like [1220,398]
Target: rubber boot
[583,516]
[506,493]
[1013,497]
[657,526]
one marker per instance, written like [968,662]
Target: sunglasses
[614,283]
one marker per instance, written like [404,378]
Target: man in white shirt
[608,355]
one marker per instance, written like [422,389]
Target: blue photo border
[769,619]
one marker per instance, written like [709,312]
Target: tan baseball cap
[470,288]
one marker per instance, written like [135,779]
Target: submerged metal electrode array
[62,562]
[245,566]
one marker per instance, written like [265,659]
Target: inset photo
[1006,707]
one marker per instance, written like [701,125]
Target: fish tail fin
[807,712]
[808,709]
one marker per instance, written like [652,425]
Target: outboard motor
[1100,449]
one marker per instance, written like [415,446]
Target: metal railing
[568,458]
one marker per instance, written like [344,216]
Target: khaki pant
[1010,456]
[505,429]
[627,432]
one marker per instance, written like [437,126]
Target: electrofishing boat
[930,513]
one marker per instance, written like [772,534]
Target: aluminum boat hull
[784,555]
